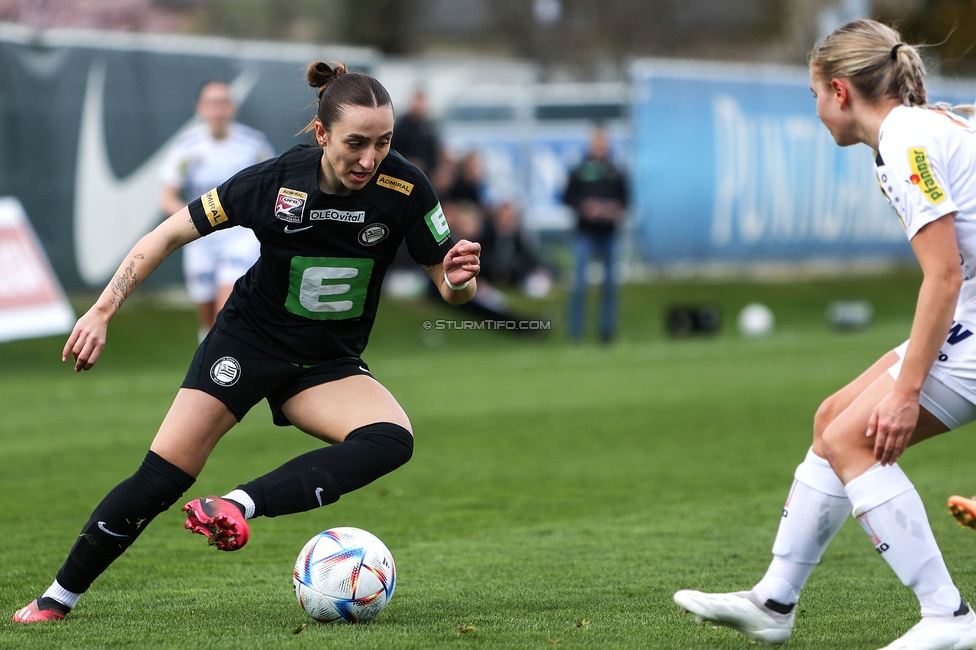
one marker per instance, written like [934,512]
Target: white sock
[891,513]
[67,598]
[815,509]
[243,498]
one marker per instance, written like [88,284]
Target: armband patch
[215,211]
[922,175]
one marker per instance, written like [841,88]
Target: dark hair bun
[319,74]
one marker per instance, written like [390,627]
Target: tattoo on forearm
[193,226]
[429,269]
[123,283]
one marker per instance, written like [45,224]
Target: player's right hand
[87,340]
[892,423]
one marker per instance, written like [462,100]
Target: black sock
[319,477]
[120,517]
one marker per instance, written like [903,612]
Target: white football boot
[956,632]
[740,611]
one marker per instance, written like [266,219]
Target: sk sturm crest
[344,575]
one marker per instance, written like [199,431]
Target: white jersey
[926,166]
[197,163]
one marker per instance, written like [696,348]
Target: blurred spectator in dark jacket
[597,192]
[415,135]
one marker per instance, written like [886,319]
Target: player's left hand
[892,423]
[463,262]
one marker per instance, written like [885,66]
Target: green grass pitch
[558,495]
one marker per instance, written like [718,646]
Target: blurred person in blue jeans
[597,192]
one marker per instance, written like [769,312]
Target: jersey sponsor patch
[328,288]
[290,205]
[373,234]
[215,211]
[922,175]
[338,215]
[395,184]
[437,223]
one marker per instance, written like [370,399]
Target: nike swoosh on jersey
[112,213]
[295,229]
[101,527]
[318,495]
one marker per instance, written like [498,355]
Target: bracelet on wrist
[460,287]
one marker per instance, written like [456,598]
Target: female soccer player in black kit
[330,219]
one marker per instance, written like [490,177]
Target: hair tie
[894,51]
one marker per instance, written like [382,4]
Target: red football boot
[219,520]
[32,614]
[964,510]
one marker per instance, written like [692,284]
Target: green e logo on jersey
[328,288]
[437,224]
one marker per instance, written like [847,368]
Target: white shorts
[944,393]
[218,259]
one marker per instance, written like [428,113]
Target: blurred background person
[509,256]
[201,159]
[415,135]
[597,193]
[469,180]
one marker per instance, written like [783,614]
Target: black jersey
[313,293]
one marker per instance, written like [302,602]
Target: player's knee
[391,444]
[824,416]
[834,446]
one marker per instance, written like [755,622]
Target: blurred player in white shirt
[869,88]
[201,159]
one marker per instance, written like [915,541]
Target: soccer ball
[756,320]
[344,575]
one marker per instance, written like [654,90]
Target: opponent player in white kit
[202,158]
[869,89]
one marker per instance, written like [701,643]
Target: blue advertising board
[731,164]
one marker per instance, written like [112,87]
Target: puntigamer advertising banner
[733,165]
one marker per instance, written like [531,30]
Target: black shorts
[240,375]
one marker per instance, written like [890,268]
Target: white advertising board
[32,302]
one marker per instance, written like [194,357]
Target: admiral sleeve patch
[215,211]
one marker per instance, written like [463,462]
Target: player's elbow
[947,280]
